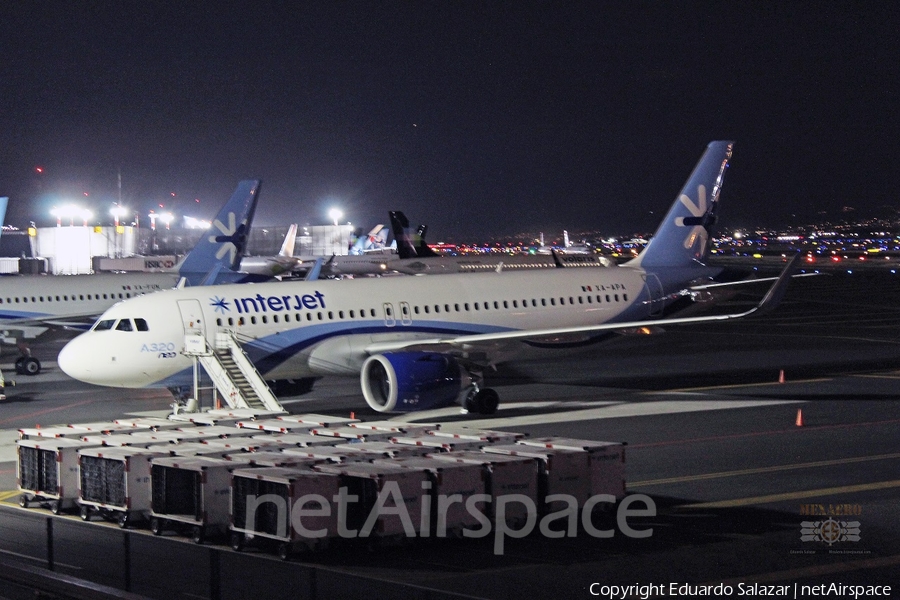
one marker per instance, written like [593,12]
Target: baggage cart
[559,472]
[397,427]
[137,439]
[274,426]
[327,454]
[386,450]
[447,479]
[504,476]
[47,471]
[437,444]
[314,420]
[300,440]
[279,519]
[375,483]
[149,423]
[210,432]
[607,461]
[352,434]
[269,458]
[115,482]
[486,436]
[193,493]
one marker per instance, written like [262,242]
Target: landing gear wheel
[484,402]
[156,526]
[198,535]
[23,501]
[85,513]
[55,507]
[31,366]
[123,520]
[237,541]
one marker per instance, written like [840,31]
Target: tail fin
[3,202]
[400,229]
[287,247]
[683,237]
[222,246]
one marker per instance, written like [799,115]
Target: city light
[335,215]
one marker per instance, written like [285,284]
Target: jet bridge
[234,376]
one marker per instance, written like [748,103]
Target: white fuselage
[300,329]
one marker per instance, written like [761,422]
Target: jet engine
[410,381]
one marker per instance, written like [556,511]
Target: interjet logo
[700,221]
[231,238]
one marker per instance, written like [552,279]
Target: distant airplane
[33,306]
[419,343]
[273,266]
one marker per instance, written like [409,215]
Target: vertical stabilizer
[287,247]
[683,237]
[222,246]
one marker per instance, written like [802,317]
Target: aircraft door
[405,314]
[192,317]
[655,294]
[389,319]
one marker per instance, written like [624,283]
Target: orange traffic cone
[352,415]
[781,376]
[799,421]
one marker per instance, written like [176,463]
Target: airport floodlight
[118,211]
[153,216]
[194,223]
[335,214]
[167,218]
[69,211]
[86,215]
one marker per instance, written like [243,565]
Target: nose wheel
[482,401]
[28,365]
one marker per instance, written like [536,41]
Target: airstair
[234,376]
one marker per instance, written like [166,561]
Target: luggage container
[48,471]
[328,454]
[433,443]
[210,432]
[504,476]
[386,450]
[188,449]
[447,479]
[271,459]
[397,427]
[314,420]
[607,461]
[192,492]
[138,439]
[486,436]
[115,482]
[299,440]
[352,434]
[149,423]
[278,519]
[58,431]
[274,426]
[559,472]
[377,484]
[238,445]
[102,427]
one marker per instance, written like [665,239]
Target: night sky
[474,117]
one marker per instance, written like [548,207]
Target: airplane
[34,306]
[415,257]
[420,343]
[273,266]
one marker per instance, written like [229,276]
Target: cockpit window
[141,324]
[104,324]
[124,325]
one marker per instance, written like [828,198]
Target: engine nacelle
[409,381]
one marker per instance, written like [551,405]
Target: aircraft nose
[73,361]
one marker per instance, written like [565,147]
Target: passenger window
[141,325]
[124,325]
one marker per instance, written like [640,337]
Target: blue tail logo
[233,237]
[682,238]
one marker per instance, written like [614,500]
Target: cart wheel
[284,550]
[55,507]
[123,520]
[237,541]
[85,513]
[156,526]
[198,534]
[23,501]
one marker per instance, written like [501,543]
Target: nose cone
[74,360]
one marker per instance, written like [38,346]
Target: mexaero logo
[699,221]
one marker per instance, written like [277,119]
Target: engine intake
[410,381]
